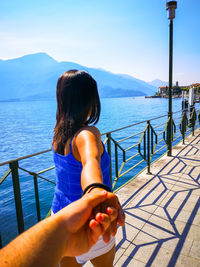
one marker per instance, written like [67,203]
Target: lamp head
[170,7]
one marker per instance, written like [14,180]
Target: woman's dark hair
[77,98]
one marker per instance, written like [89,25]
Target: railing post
[116,161]
[193,119]
[184,126]
[17,196]
[199,117]
[144,143]
[148,148]
[108,135]
[169,135]
[37,197]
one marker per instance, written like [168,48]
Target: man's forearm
[42,245]
[67,233]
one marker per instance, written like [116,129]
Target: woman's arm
[88,149]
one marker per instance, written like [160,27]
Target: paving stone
[194,233]
[139,212]
[127,261]
[118,254]
[144,252]
[157,232]
[185,261]
[195,250]
[170,244]
[162,258]
[126,235]
[186,247]
[196,220]
[134,221]
[160,223]
[196,192]
[184,216]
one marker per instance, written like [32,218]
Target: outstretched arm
[87,148]
[67,233]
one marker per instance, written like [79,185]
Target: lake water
[27,127]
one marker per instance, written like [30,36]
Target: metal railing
[142,148]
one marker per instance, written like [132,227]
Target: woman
[81,161]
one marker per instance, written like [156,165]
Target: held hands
[83,221]
[105,208]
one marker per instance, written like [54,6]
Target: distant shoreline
[158,96]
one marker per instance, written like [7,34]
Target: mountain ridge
[37,74]
[159,83]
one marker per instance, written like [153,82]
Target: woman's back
[68,176]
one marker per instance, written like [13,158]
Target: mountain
[158,83]
[35,76]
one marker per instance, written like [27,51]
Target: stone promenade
[163,212]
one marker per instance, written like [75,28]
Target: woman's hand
[109,207]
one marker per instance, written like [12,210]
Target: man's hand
[83,229]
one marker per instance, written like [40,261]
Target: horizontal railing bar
[143,134]
[124,127]
[25,157]
[178,131]
[158,118]
[131,147]
[129,137]
[29,172]
[161,140]
[159,133]
[133,125]
[106,139]
[177,118]
[45,170]
[46,180]
[160,149]
[130,169]
[123,163]
[5,176]
[177,111]
[177,137]
[132,157]
[159,125]
[34,173]
[48,214]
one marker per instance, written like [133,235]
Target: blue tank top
[68,178]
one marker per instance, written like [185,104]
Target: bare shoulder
[88,132]
[87,140]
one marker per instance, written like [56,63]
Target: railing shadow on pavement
[161,217]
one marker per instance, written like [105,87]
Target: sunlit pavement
[163,212]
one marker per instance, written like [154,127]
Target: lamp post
[170,7]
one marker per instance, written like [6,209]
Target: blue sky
[129,36]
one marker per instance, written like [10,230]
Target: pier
[163,212]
